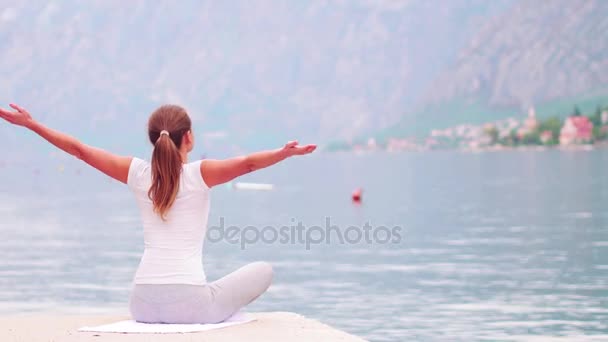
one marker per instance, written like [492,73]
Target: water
[500,246]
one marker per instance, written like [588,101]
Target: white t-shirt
[173,249]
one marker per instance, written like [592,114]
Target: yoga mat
[133,327]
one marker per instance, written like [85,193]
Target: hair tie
[163,132]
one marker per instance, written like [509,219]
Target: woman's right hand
[19,117]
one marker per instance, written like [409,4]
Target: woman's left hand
[293,149]
[19,117]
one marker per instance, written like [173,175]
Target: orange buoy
[356,196]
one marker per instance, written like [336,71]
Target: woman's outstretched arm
[112,165]
[216,172]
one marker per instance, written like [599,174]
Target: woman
[173,197]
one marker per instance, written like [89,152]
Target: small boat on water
[252,186]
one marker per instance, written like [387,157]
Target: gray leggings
[209,303]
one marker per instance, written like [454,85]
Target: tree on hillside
[553,124]
[532,138]
[599,133]
[492,133]
[513,139]
[596,118]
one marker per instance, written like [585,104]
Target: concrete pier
[269,326]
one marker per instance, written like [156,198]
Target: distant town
[576,130]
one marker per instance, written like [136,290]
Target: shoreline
[497,148]
[269,326]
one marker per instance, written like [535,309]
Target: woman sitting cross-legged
[173,198]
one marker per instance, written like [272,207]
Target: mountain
[549,54]
[251,74]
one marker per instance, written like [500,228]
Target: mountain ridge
[251,75]
[533,54]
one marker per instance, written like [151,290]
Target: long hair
[166,159]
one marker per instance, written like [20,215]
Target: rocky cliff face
[534,52]
[251,73]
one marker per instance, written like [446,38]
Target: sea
[444,245]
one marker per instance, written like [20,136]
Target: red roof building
[576,130]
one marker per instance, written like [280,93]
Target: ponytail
[166,161]
[166,169]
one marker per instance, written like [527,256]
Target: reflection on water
[508,245]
